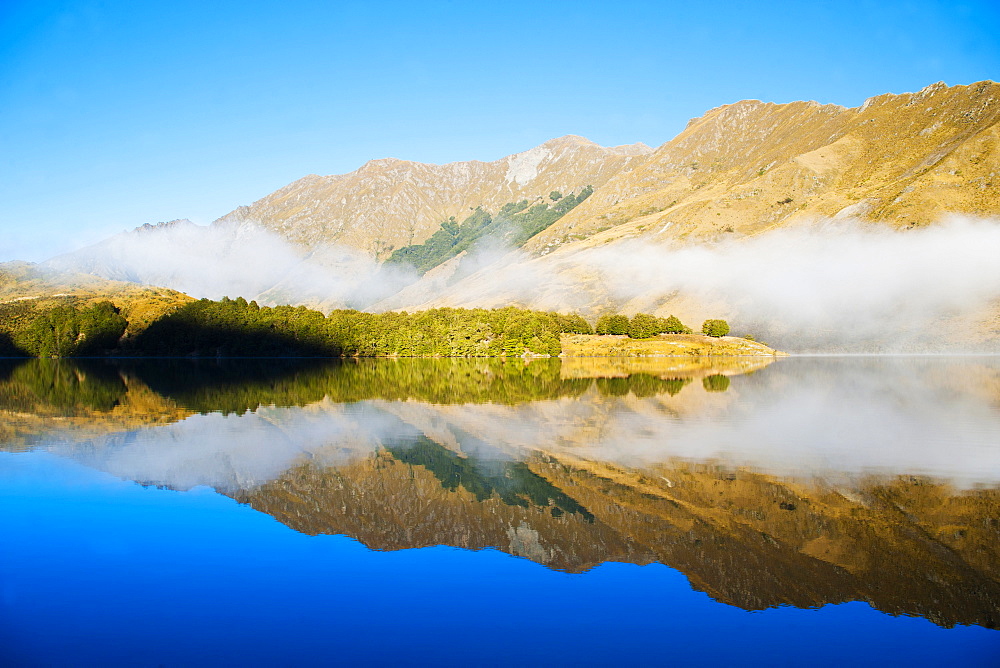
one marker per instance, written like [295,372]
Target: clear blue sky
[113,114]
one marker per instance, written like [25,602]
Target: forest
[238,328]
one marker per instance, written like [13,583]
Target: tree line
[644,326]
[235,327]
[238,328]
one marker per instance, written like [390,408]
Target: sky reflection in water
[128,574]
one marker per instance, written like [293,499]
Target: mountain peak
[569,140]
[147,228]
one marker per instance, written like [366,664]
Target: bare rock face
[389,203]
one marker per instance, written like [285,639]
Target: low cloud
[829,286]
[832,284]
[246,261]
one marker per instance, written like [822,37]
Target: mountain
[741,169]
[817,227]
[319,241]
[749,167]
[390,203]
[811,225]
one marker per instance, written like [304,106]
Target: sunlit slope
[26,287]
[745,168]
[391,203]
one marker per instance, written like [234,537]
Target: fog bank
[828,286]
[246,261]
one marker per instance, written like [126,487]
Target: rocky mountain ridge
[746,168]
[904,160]
[389,203]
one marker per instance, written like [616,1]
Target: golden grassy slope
[745,168]
[390,203]
[26,287]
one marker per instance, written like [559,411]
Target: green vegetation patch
[512,226]
[237,328]
[639,326]
[64,330]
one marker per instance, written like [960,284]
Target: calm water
[822,511]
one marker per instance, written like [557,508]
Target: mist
[832,284]
[829,286]
[246,261]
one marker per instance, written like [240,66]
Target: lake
[822,510]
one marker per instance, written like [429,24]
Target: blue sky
[113,114]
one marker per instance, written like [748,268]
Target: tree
[555,195]
[715,328]
[643,326]
[673,325]
[612,324]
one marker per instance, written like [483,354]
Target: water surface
[444,511]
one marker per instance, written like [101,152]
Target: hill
[27,289]
[750,167]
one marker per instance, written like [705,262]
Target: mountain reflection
[806,482]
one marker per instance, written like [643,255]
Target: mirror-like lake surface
[823,511]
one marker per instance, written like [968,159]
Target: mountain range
[859,193]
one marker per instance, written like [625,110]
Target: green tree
[673,325]
[612,324]
[715,328]
[555,195]
[643,326]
